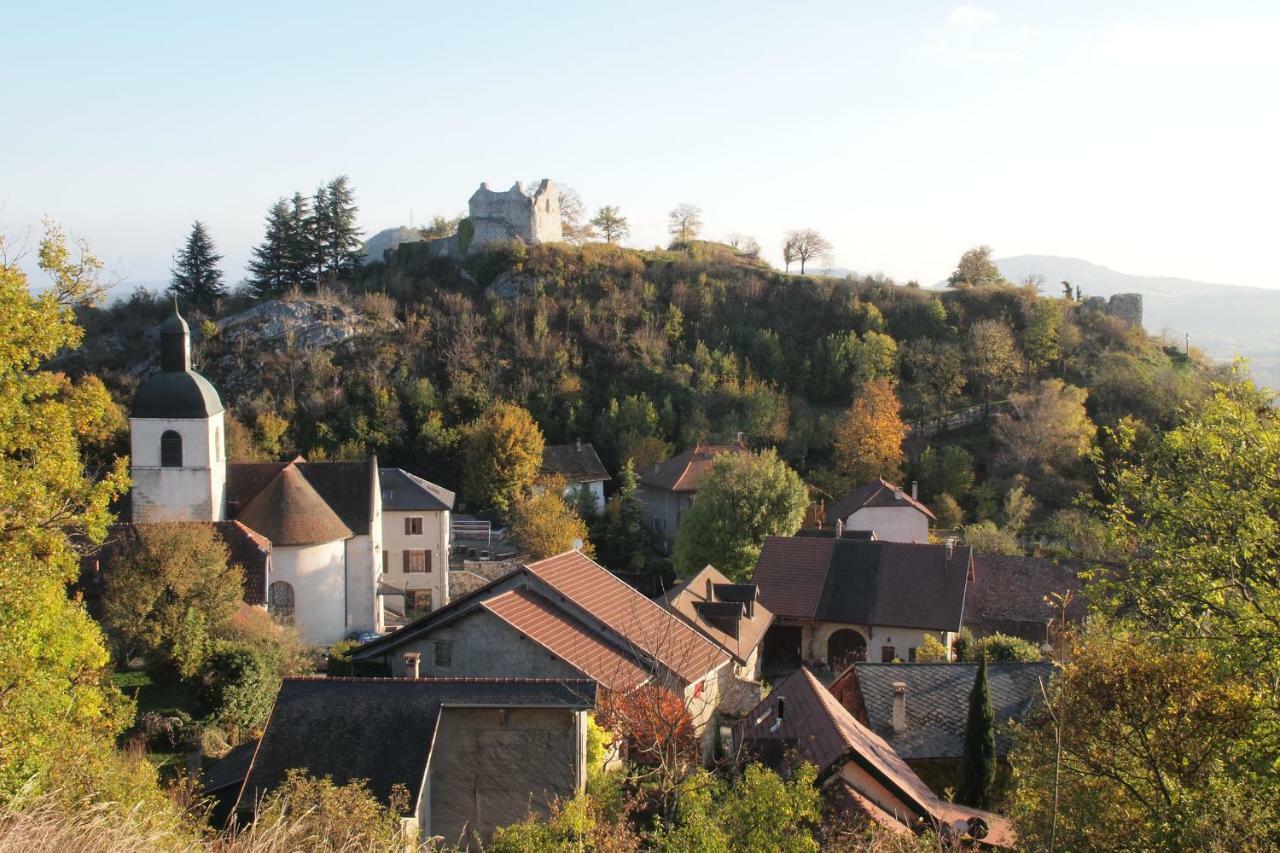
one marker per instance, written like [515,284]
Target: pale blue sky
[1143,136]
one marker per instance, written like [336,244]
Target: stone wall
[1128,307]
[511,215]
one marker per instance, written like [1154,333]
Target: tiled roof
[822,731]
[1008,594]
[381,729]
[567,638]
[577,463]
[682,601]
[246,479]
[229,770]
[938,701]
[251,551]
[858,582]
[347,487]
[289,511]
[877,493]
[636,619]
[683,473]
[403,491]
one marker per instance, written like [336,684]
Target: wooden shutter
[405,554]
[406,526]
[428,559]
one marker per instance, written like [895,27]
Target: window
[280,601]
[417,602]
[911,655]
[413,526]
[170,449]
[887,654]
[417,561]
[386,561]
[659,523]
[443,651]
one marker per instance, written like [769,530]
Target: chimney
[839,527]
[915,490]
[577,544]
[899,707]
[711,590]
[412,664]
[578,443]
[897,493]
[951,548]
[657,466]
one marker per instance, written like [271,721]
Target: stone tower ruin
[513,214]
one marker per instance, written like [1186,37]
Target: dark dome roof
[172,394]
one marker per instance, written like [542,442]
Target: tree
[619,535]
[544,525]
[440,226]
[950,515]
[1041,337]
[684,223]
[949,470]
[1002,648]
[269,268]
[58,713]
[196,276]
[501,456]
[978,763]
[303,258]
[976,269]
[993,359]
[239,686]
[743,499]
[869,437]
[1046,433]
[611,224]
[339,248]
[805,245]
[934,376]
[744,245]
[572,211]
[986,538]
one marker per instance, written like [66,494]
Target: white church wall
[316,574]
[194,492]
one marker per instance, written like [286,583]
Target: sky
[1141,136]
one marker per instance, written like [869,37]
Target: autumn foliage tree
[869,436]
[543,524]
[501,454]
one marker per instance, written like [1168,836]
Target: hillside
[1223,320]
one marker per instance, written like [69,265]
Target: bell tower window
[170,449]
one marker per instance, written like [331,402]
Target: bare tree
[685,223]
[611,224]
[805,245]
[745,245]
[572,211]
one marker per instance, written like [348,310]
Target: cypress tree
[196,276]
[270,264]
[979,762]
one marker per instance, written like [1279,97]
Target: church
[326,526]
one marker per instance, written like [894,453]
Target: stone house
[839,600]
[472,754]
[886,510]
[668,489]
[862,774]
[415,543]
[579,466]
[564,617]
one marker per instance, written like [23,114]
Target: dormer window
[170,449]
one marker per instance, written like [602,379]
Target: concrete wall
[362,611]
[317,575]
[434,538]
[891,523]
[195,492]
[491,767]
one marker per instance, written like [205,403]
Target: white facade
[879,639]
[433,539]
[316,574]
[891,523]
[194,491]
[596,487]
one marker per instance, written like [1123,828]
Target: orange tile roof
[682,601]
[684,472]
[636,619]
[566,638]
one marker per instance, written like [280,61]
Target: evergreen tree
[270,264]
[621,542]
[337,237]
[195,271]
[978,766]
[302,256]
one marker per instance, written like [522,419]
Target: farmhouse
[886,510]
[668,489]
[579,467]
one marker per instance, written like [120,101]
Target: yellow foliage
[869,437]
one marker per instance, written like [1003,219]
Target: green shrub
[1001,648]
[338,662]
[931,650]
[239,686]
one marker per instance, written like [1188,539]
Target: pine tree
[302,257]
[978,767]
[270,264]
[621,542]
[195,271]
[337,236]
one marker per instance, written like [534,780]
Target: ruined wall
[1128,307]
[514,215]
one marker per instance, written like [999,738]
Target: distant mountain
[1223,320]
[376,245]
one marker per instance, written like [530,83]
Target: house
[885,509]
[415,542]
[668,489]
[564,617]
[473,754]
[726,613]
[922,709]
[579,467]
[1015,595]
[839,600]
[802,719]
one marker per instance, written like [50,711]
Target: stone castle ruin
[1125,306]
[500,216]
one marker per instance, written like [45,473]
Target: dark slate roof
[289,511]
[251,551]
[683,473]
[229,770]
[403,491]
[857,582]
[877,493]
[347,487]
[1008,595]
[173,394]
[577,463]
[246,479]
[938,702]
[381,729]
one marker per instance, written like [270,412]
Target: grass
[153,696]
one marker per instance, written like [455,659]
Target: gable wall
[891,523]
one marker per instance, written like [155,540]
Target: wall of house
[317,575]
[817,634]
[869,787]
[596,488]
[196,491]
[434,538]
[482,645]
[363,612]
[668,505]
[491,767]
[891,523]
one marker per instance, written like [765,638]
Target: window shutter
[386,560]
[405,554]
[406,526]
[428,559]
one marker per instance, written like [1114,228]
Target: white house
[580,467]
[885,510]
[415,542]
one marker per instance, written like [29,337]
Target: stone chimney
[899,707]
[412,664]
[897,493]
[711,590]
[915,490]
[839,527]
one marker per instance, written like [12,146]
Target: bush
[338,662]
[961,645]
[239,686]
[164,732]
[931,650]
[985,538]
[1001,648]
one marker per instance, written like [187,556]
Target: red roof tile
[636,619]
[566,638]
[684,473]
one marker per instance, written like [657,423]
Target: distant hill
[1223,320]
[376,245]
